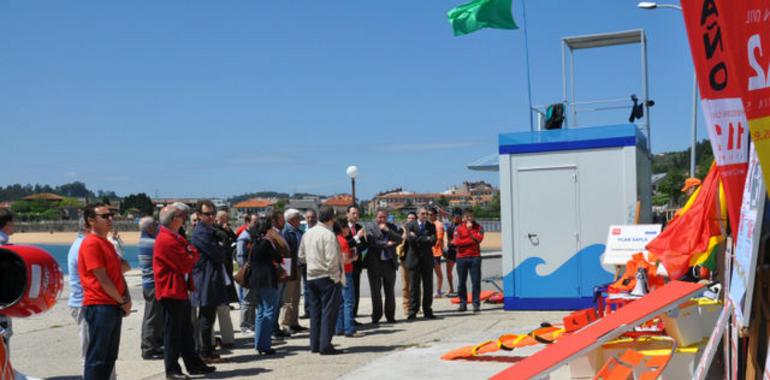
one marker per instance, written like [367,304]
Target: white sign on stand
[747,241]
[626,240]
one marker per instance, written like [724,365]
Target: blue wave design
[575,278]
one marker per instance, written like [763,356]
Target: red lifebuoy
[30,280]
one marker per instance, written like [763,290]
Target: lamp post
[352,172]
[650,6]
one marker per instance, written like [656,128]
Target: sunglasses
[108,215]
[209,213]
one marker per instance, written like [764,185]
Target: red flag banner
[721,95]
[747,29]
[690,232]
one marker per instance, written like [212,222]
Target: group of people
[189,278]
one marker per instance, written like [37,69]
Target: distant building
[258,206]
[340,203]
[305,203]
[469,194]
[49,197]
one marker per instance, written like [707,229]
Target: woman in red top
[345,323]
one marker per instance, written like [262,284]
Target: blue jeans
[472,265]
[263,326]
[104,323]
[345,317]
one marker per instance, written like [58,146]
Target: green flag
[478,14]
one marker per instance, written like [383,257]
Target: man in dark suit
[209,278]
[381,265]
[357,242]
[420,236]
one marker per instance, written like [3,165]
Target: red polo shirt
[173,259]
[97,252]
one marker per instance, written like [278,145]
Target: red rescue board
[605,329]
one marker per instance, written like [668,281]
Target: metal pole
[353,184]
[526,56]
[694,123]
[645,90]
[572,87]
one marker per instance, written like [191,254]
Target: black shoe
[176,376]
[332,351]
[476,309]
[268,352]
[375,322]
[391,320]
[298,328]
[356,323]
[462,308]
[411,317]
[430,316]
[202,370]
[152,355]
[304,316]
[281,334]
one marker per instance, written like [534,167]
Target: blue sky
[217,98]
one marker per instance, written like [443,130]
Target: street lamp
[352,172]
[652,5]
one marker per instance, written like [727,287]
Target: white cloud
[71,175]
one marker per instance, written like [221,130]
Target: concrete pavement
[47,345]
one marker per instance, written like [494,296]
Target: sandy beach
[491,241]
[129,238]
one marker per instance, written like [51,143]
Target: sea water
[59,252]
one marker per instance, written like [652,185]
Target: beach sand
[491,239]
[129,238]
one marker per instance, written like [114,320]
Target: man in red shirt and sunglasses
[105,295]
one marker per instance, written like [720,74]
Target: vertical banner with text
[748,31]
[721,96]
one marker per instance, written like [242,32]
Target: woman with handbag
[263,259]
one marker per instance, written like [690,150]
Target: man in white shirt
[320,251]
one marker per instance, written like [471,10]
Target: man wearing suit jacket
[357,241]
[381,265]
[420,236]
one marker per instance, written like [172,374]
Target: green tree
[140,201]
[672,185]
[443,201]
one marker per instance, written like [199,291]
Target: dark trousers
[305,304]
[324,298]
[382,274]
[178,336]
[207,315]
[104,323]
[152,323]
[422,275]
[358,267]
[470,265]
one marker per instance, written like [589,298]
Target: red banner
[719,76]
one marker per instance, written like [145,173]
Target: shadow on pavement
[366,349]
[64,378]
[237,373]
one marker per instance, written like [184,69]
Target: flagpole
[526,55]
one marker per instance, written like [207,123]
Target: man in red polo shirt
[467,238]
[172,261]
[105,296]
